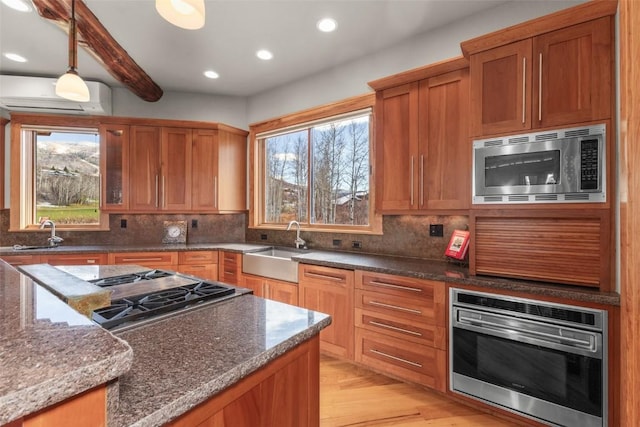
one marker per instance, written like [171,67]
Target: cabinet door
[281,291]
[574,74]
[397,147]
[232,171]
[114,167]
[501,89]
[255,283]
[204,195]
[330,290]
[16,260]
[144,168]
[175,176]
[230,268]
[444,163]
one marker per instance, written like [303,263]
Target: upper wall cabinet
[543,74]
[219,170]
[114,166]
[160,168]
[422,150]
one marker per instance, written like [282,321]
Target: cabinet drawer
[146,259]
[21,259]
[198,257]
[316,275]
[392,325]
[417,363]
[418,299]
[230,268]
[75,259]
[202,271]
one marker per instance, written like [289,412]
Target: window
[60,177]
[317,173]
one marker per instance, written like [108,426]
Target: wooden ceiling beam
[96,40]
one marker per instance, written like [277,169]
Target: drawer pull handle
[399,359]
[91,261]
[140,259]
[324,276]
[389,285]
[394,328]
[394,307]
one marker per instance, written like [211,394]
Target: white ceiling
[234,30]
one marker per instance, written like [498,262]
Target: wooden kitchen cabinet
[202,264]
[219,170]
[75,259]
[230,268]
[114,167]
[160,169]
[86,409]
[560,77]
[3,123]
[276,290]
[400,327]
[330,290]
[423,156]
[17,260]
[153,260]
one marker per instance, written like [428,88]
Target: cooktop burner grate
[151,304]
[130,278]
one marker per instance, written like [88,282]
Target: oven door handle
[552,337]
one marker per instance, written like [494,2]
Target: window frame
[314,116]
[22,164]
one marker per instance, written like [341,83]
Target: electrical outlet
[263,237]
[194,223]
[123,223]
[337,242]
[436,230]
[356,244]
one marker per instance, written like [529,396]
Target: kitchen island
[206,358]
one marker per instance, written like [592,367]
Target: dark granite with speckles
[48,351]
[183,360]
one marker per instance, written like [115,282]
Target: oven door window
[566,379]
[526,169]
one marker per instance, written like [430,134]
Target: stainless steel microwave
[558,166]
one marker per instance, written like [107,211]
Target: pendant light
[187,14]
[70,85]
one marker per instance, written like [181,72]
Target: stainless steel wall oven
[541,360]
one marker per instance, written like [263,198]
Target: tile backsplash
[403,235]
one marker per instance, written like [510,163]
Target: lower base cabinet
[276,290]
[330,290]
[285,393]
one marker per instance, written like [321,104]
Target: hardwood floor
[354,396]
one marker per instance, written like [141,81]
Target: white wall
[183,106]
[351,78]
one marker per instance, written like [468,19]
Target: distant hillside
[77,157]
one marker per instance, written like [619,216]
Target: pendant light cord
[73,41]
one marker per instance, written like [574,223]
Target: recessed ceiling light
[264,54]
[327,25]
[211,74]
[19,5]
[15,57]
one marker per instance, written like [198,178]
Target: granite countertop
[411,267]
[48,351]
[182,360]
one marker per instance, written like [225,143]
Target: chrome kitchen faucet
[53,240]
[299,242]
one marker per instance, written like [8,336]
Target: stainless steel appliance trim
[524,405]
[530,332]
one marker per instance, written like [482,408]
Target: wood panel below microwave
[572,250]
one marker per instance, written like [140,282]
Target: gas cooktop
[144,296]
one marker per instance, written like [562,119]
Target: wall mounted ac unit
[37,95]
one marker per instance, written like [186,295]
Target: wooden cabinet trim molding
[555,21]
[420,73]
